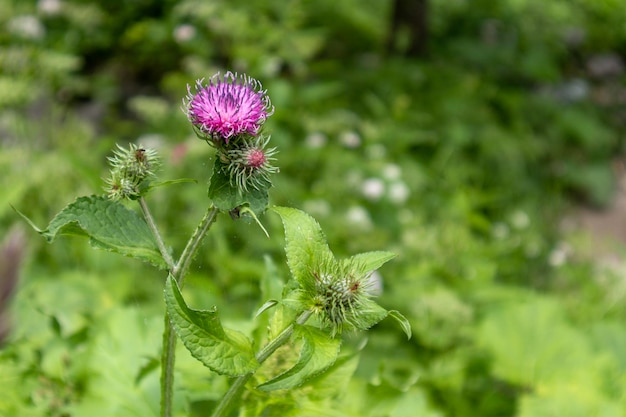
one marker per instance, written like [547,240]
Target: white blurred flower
[49,7]
[559,254]
[359,216]
[392,172]
[399,192]
[500,230]
[520,219]
[184,33]
[350,139]
[27,26]
[373,188]
[316,140]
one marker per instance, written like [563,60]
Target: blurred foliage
[464,162]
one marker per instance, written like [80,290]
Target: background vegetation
[465,160]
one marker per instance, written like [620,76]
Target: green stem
[180,269]
[168,357]
[155,231]
[169,339]
[236,389]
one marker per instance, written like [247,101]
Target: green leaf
[369,314]
[369,261]
[318,353]
[119,343]
[268,304]
[571,400]
[108,224]
[336,378]
[402,321]
[224,351]
[305,242]
[533,331]
[227,197]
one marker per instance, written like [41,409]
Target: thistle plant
[324,298]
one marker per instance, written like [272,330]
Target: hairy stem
[169,337]
[167,368]
[180,269]
[236,389]
[155,232]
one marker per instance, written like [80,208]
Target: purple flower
[227,106]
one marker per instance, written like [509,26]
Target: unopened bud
[250,165]
[337,296]
[131,170]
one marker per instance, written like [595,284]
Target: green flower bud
[131,171]
[338,295]
[250,164]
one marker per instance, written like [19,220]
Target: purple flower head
[227,107]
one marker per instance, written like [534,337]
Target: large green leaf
[109,225]
[227,197]
[305,244]
[224,351]
[318,353]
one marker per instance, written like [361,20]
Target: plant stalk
[178,270]
[168,357]
[167,257]
[236,389]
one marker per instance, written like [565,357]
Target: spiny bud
[250,165]
[338,295]
[131,170]
[119,188]
[135,161]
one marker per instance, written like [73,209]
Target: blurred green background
[463,135]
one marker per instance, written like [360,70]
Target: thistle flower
[250,165]
[131,169]
[227,107]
